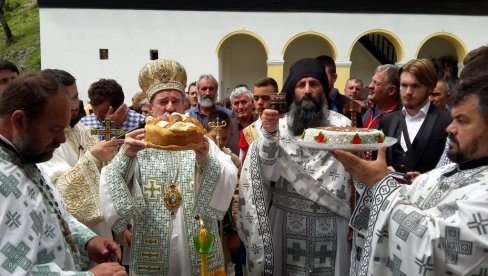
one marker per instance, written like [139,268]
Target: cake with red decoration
[343,135]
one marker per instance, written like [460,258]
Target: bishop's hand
[202,152]
[133,142]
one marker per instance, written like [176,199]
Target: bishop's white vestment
[136,189]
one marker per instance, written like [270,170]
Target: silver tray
[389,141]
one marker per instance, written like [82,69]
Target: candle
[203,244]
[203,234]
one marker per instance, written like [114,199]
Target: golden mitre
[162,74]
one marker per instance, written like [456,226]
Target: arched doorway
[446,51]
[242,59]
[371,49]
[303,45]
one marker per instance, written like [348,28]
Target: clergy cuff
[93,159]
[383,188]
[269,135]
[205,163]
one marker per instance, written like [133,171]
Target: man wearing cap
[140,182]
[296,205]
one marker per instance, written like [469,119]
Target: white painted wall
[363,67]
[71,38]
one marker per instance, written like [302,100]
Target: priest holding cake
[296,200]
[161,180]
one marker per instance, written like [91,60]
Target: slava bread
[174,132]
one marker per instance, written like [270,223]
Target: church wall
[71,38]
[363,66]
[437,47]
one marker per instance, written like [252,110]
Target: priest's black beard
[306,113]
[30,152]
[74,121]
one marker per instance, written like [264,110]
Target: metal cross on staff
[353,108]
[108,131]
[217,125]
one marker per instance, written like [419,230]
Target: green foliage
[23,19]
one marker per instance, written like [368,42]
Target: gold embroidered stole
[250,133]
[79,186]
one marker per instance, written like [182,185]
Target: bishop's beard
[307,112]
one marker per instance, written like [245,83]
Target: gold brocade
[79,186]
[250,133]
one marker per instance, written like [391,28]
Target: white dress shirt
[414,123]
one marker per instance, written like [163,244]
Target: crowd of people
[80,197]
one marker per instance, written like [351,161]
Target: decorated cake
[174,132]
[343,135]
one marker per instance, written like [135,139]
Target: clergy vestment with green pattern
[76,174]
[162,243]
[31,240]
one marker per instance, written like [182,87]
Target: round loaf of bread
[174,132]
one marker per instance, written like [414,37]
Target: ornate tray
[389,141]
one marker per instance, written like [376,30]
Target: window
[103,53]
[153,54]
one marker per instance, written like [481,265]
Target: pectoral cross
[353,108]
[109,130]
[217,125]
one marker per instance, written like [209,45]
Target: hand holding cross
[108,131]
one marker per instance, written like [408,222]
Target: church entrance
[242,60]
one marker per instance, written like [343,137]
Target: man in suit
[335,100]
[419,126]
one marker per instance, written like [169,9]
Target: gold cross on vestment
[217,125]
[152,189]
[109,130]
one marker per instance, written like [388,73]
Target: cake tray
[389,141]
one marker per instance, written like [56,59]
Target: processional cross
[353,108]
[217,125]
[108,130]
